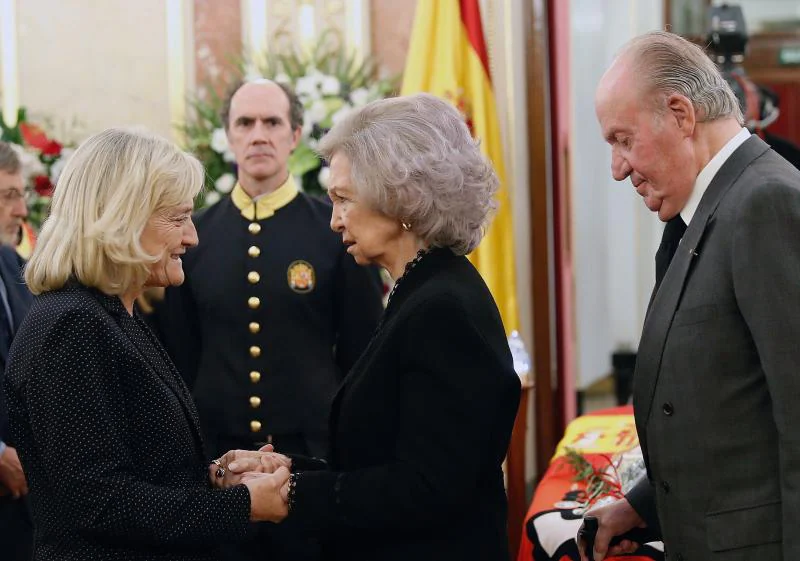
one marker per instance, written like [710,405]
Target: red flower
[52,148]
[35,136]
[43,186]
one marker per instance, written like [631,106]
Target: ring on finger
[220,468]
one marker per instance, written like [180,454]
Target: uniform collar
[264,206]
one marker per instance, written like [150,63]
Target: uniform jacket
[420,429]
[718,371]
[271,317]
[109,439]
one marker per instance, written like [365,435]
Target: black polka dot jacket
[108,437]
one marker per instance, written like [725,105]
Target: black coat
[420,428]
[109,438]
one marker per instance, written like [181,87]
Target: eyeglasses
[12,195]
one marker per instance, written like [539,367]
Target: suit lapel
[20,300]
[19,297]
[356,371]
[173,381]
[163,370]
[664,303]
[427,267]
[659,316]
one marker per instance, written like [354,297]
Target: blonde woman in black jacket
[105,427]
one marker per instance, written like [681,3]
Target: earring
[406,226]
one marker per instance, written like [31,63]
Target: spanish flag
[447,57]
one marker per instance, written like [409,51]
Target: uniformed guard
[274,311]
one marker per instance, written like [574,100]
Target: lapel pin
[693,253]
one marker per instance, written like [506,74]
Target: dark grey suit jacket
[718,372]
[19,301]
[16,527]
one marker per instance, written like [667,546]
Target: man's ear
[296,134]
[682,110]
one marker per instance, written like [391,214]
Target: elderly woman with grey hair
[421,424]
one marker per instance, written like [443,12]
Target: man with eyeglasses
[13,205]
[16,538]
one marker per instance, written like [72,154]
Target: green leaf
[303,160]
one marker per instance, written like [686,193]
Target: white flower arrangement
[328,82]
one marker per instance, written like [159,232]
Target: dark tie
[673,232]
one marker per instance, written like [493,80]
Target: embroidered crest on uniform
[301,277]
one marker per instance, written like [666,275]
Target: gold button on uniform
[253,277]
[255,376]
[255,351]
[254,228]
[254,302]
[255,401]
[253,251]
[255,327]
[255,426]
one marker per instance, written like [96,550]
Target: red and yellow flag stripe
[448,58]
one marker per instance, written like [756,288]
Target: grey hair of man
[9,159]
[670,64]
[295,105]
[413,158]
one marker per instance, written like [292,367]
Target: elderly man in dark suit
[718,372]
[16,537]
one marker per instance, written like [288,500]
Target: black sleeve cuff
[317,499]
[642,498]
[237,512]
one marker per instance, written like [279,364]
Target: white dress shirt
[707,174]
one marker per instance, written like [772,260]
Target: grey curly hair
[671,64]
[413,158]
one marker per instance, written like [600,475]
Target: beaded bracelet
[290,497]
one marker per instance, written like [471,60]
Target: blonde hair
[111,186]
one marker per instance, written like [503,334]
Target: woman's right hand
[266,502]
[238,462]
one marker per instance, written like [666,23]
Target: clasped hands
[264,472]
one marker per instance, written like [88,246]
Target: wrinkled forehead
[340,174]
[610,107]
[615,80]
[260,100]
[12,180]
[619,92]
